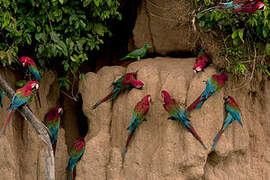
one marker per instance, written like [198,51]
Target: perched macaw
[138,53]
[248,6]
[137,118]
[75,155]
[1,97]
[21,96]
[213,84]
[28,63]
[233,113]
[202,61]
[127,81]
[52,121]
[176,113]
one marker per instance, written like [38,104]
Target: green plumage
[138,53]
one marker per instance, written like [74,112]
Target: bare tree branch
[40,128]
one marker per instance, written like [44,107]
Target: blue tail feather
[96,105]
[239,121]
[213,147]
[216,136]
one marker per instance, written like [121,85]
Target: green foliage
[263,68]
[234,54]
[64,82]
[241,33]
[21,83]
[54,30]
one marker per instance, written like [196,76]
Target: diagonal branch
[40,128]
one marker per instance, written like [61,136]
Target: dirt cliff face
[22,151]
[162,149]
[166,25]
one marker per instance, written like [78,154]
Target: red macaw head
[54,113]
[261,5]
[137,84]
[222,78]
[146,99]
[79,143]
[25,60]
[200,65]
[230,100]
[166,96]
[202,61]
[32,85]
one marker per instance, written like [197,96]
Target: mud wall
[162,149]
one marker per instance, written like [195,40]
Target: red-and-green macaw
[1,97]
[213,84]
[248,6]
[176,113]
[75,155]
[29,63]
[202,61]
[233,113]
[52,121]
[138,116]
[21,96]
[127,81]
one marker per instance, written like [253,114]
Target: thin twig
[73,98]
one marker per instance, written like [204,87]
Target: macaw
[202,61]
[138,53]
[52,121]
[1,97]
[213,84]
[176,113]
[138,116]
[248,6]
[29,63]
[233,113]
[127,81]
[21,96]
[75,155]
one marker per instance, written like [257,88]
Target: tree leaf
[38,36]
[86,3]
[97,2]
[241,35]
[109,2]
[202,23]
[267,49]
[61,1]
[99,29]
[234,34]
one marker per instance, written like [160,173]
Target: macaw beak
[226,98]
[23,64]
[60,111]
[264,7]
[37,86]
